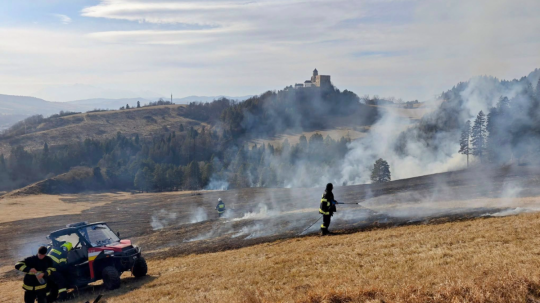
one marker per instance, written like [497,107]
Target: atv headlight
[108,252]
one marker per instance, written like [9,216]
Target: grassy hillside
[483,260]
[436,238]
[145,121]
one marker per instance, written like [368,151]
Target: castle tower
[314,77]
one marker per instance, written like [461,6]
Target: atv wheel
[139,268]
[52,294]
[111,278]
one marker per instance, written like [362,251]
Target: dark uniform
[220,208]
[327,208]
[33,289]
[59,256]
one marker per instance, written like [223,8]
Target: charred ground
[165,224]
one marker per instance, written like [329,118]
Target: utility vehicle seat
[76,256]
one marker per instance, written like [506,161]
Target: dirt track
[161,222]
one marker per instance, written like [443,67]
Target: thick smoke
[412,149]
[428,147]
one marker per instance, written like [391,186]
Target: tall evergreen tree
[160,177]
[139,181]
[193,176]
[98,176]
[492,139]
[206,174]
[380,172]
[138,104]
[479,136]
[465,140]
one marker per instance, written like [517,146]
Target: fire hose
[356,203]
[311,225]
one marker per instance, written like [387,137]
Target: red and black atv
[97,254]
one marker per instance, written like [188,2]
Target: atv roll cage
[90,235]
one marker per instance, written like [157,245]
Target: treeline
[195,159]
[508,132]
[206,111]
[185,160]
[511,130]
[444,125]
[304,109]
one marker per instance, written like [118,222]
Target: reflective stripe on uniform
[55,251]
[324,212]
[55,259]
[62,290]
[27,287]
[31,288]
[322,226]
[22,267]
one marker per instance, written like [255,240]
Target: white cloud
[63,18]
[409,49]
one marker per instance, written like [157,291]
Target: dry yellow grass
[24,207]
[14,208]
[335,134]
[482,260]
[99,125]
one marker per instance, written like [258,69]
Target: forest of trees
[307,109]
[183,160]
[511,130]
[187,158]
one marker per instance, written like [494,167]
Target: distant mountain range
[16,108]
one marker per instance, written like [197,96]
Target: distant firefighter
[220,207]
[327,208]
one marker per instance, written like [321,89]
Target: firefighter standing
[327,208]
[220,207]
[59,256]
[37,268]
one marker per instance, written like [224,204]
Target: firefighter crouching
[327,208]
[37,268]
[59,256]
[220,207]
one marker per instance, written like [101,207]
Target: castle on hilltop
[316,81]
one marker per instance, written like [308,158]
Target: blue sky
[412,49]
